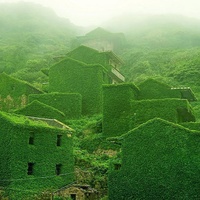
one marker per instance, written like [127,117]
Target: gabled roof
[82,49]
[92,56]
[156,123]
[39,109]
[8,83]
[99,32]
[25,121]
[20,120]
[52,122]
[75,63]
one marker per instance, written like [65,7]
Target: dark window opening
[73,196]
[58,169]
[31,138]
[30,168]
[59,140]
[117,166]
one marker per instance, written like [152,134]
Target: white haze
[95,12]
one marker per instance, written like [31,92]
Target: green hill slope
[158,31]
[31,35]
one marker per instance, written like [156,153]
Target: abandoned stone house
[153,89]
[41,110]
[34,155]
[84,71]
[140,104]
[108,59]
[78,192]
[101,40]
[14,93]
[160,160]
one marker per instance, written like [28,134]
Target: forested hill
[30,36]
[164,47]
[158,31]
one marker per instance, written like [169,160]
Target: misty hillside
[31,35]
[158,31]
[24,18]
[163,47]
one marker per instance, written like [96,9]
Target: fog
[95,12]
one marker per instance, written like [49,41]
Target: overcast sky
[94,12]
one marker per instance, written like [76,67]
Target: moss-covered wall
[69,104]
[152,89]
[14,93]
[38,109]
[174,110]
[5,152]
[192,125]
[160,160]
[116,108]
[125,106]
[71,76]
[89,56]
[44,153]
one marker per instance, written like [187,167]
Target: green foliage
[153,89]
[95,168]
[38,109]
[178,67]
[14,93]
[15,87]
[44,153]
[192,125]
[31,33]
[69,104]
[196,108]
[89,56]
[93,143]
[159,161]
[71,76]
[173,110]
[125,106]
[116,108]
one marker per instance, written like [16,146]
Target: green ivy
[160,160]
[14,93]
[16,153]
[116,108]
[174,110]
[71,76]
[38,109]
[69,104]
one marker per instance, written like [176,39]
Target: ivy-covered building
[125,106]
[14,93]
[160,160]
[41,110]
[107,59]
[34,156]
[102,40]
[70,104]
[83,71]
[73,76]
[153,89]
